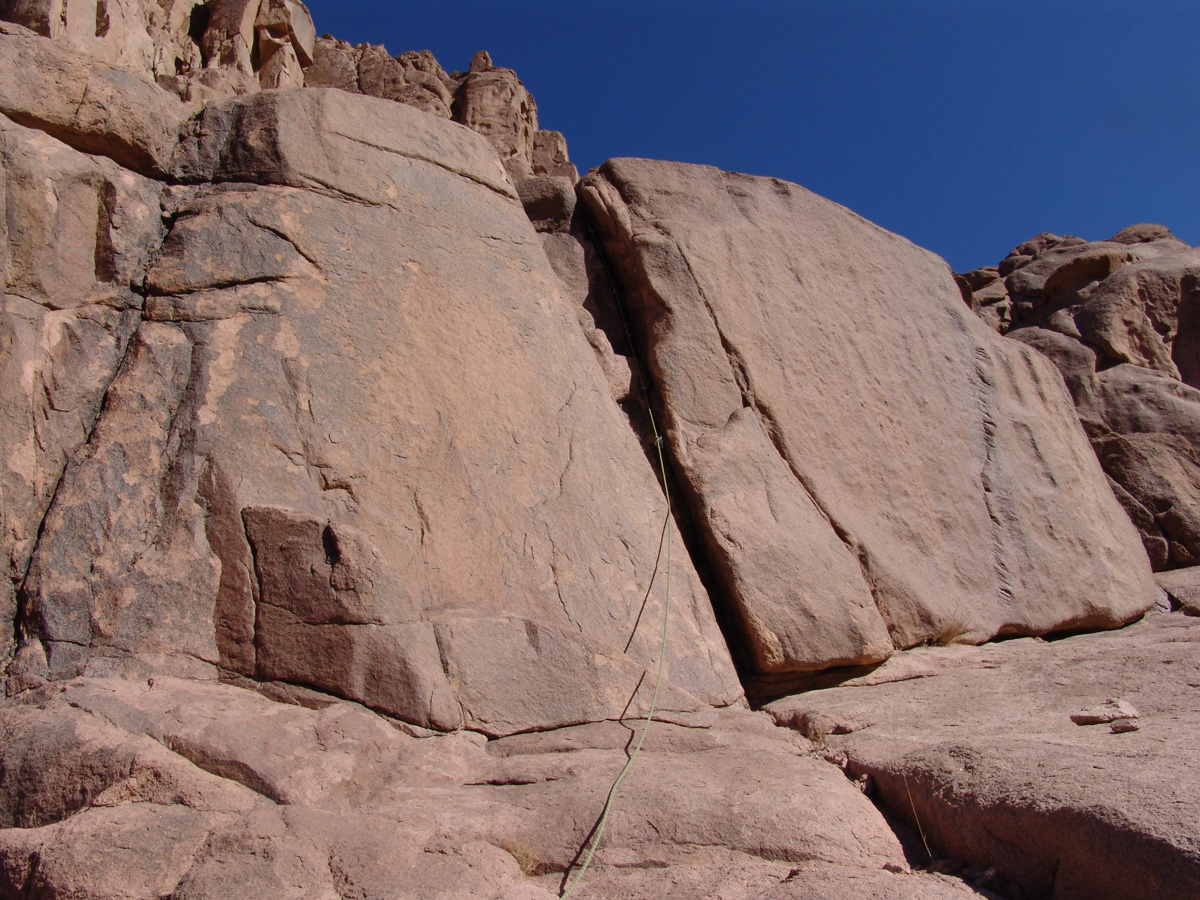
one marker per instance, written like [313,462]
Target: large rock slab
[360,443]
[978,749]
[139,789]
[868,465]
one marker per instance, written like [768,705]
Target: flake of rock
[1110,710]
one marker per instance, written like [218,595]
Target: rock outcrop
[488,99]
[386,532]
[338,556]
[1118,318]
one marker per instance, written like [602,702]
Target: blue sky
[965,125]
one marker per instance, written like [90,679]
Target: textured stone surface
[93,106]
[348,411]
[493,101]
[413,79]
[384,468]
[143,36]
[550,156]
[80,231]
[1183,585]
[1119,319]
[1161,472]
[938,477]
[210,788]
[976,747]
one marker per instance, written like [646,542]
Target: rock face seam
[724,609]
[985,388]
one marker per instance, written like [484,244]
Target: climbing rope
[598,832]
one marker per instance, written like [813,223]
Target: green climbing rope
[662,655]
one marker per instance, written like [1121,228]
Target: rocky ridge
[335,540]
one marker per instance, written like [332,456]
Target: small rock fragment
[1121,726]
[1110,710]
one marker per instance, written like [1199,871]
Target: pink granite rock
[940,473]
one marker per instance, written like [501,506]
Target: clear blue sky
[965,125]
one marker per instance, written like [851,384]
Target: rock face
[198,50]
[222,791]
[805,408]
[417,519]
[337,556]
[1118,318]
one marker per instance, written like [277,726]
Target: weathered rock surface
[461,530]
[494,102]
[977,748]
[488,99]
[846,505]
[79,232]
[330,399]
[94,107]
[212,790]
[198,51]
[1183,587]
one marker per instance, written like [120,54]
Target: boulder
[1134,400]
[1125,307]
[1183,586]
[143,36]
[335,65]
[550,156]
[354,446]
[1145,233]
[1161,472]
[549,202]
[1135,315]
[246,35]
[938,508]
[412,79]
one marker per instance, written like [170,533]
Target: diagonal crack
[771,428]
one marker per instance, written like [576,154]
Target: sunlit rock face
[338,556]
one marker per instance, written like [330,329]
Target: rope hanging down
[598,833]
